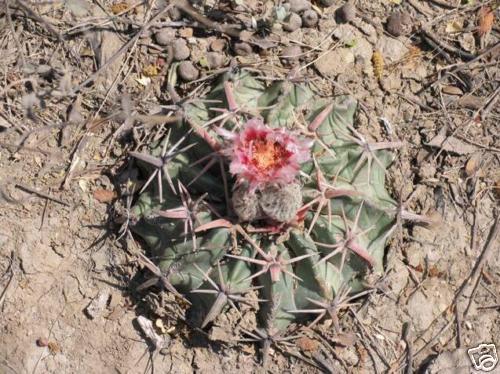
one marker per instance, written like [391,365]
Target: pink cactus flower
[260,154]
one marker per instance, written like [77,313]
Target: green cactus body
[340,238]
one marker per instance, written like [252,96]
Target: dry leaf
[346,339]
[451,90]
[434,272]
[414,52]
[486,17]
[54,347]
[472,165]
[307,344]
[119,7]
[104,196]
[150,70]
[496,188]
[452,144]
[453,26]
[471,102]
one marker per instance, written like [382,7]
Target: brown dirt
[64,171]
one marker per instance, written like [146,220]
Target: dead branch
[481,260]
[185,7]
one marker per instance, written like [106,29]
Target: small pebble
[218,45]
[292,22]
[165,36]
[242,49]
[181,50]
[327,2]
[42,342]
[297,6]
[186,32]
[310,18]
[174,13]
[187,71]
[215,60]
[290,55]
[399,23]
[347,12]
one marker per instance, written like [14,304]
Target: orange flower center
[268,155]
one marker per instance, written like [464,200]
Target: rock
[451,362]
[220,334]
[484,324]
[428,303]
[350,35]
[335,62]
[110,44]
[78,8]
[420,310]
[310,18]
[174,13]
[215,60]
[243,49]
[187,71]
[363,49]
[218,45]
[297,6]
[400,277]
[165,36]
[392,49]
[180,49]
[427,171]
[346,13]
[147,327]
[292,22]
[350,356]
[470,102]
[98,304]
[417,73]
[399,23]
[452,144]
[422,232]
[290,55]
[392,82]
[467,41]
[370,32]
[327,3]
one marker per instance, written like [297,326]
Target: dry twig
[40,193]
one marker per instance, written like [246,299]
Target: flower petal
[260,154]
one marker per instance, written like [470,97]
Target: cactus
[305,239]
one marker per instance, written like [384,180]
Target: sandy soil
[67,280]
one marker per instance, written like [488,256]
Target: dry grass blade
[486,18]
[40,193]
